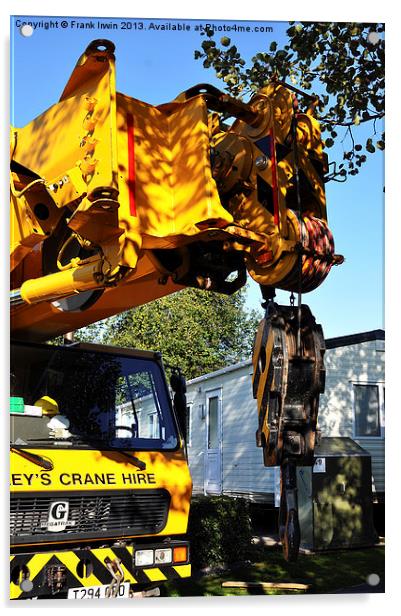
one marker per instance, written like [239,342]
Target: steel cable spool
[317,256]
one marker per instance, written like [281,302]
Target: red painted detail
[274,178]
[264,257]
[131,163]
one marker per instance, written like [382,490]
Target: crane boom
[121,202]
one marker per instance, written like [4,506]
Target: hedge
[219,530]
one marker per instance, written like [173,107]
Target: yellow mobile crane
[114,203]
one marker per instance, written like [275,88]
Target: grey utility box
[335,497]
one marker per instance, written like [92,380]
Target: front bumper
[51,574]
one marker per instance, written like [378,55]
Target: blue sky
[155,65]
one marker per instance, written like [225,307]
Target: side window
[368,410]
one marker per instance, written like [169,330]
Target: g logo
[58,516]
[59,511]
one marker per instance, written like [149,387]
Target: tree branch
[348,124]
[352,139]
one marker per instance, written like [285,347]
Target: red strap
[274,177]
[131,163]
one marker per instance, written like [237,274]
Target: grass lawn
[325,573]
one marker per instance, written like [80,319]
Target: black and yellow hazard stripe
[37,565]
[161,574]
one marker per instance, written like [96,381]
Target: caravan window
[368,402]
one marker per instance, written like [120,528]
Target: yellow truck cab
[100,486]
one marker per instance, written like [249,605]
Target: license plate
[98,592]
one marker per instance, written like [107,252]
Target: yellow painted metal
[281,237]
[103,553]
[25,235]
[44,320]
[155,575]
[183,570]
[27,229]
[127,178]
[91,470]
[60,134]
[35,563]
[173,189]
[35,566]
[71,561]
[261,361]
[62,284]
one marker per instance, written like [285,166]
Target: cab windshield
[66,396]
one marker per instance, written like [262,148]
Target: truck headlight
[163,555]
[144,558]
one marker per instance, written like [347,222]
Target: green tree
[341,65]
[196,330]
[91,333]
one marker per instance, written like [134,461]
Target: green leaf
[221,326]
[334,58]
[329,143]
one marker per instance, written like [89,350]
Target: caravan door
[213,442]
